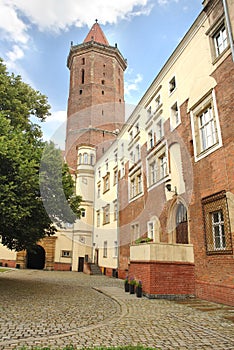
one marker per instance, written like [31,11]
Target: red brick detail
[166,278]
[62,266]
[8,263]
[215,292]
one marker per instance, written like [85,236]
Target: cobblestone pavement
[47,308]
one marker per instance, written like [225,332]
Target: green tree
[23,215]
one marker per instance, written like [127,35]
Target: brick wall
[62,266]
[212,174]
[7,263]
[164,278]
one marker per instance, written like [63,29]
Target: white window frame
[220,233]
[116,249]
[175,116]
[150,229]
[195,112]
[220,39]
[105,249]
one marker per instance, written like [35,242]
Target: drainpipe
[229,28]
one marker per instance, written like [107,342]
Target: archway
[36,258]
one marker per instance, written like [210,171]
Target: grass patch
[3,270]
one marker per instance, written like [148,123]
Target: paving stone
[56,309]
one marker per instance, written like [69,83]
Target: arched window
[85,158]
[82,76]
[91,159]
[181,224]
[80,158]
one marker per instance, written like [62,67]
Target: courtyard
[47,308]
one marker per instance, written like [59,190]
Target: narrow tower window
[83,60]
[82,76]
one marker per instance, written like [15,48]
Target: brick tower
[96,94]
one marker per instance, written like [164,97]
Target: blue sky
[35,39]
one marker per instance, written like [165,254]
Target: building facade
[157,189]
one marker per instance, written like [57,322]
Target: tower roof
[96,34]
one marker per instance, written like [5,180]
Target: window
[149,112]
[83,213]
[116,156]
[153,173]
[172,85]
[98,218]
[83,60]
[106,183]
[137,129]
[91,159]
[82,76]
[85,158]
[151,230]
[217,224]
[99,190]
[218,230]
[105,249]
[151,139]
[115,176]
[157,166]
[138,153]
[115,210]
[175,116]
[103,82]
[220,40]
[115,249]
[136,184]
[163,165]
[134,232]
[106,214]
[80,158]
[159,130]
[122,169]
[66,253]
[158,101]
[205,127]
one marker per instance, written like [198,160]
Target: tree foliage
[23,214]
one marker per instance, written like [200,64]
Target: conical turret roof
[96,34]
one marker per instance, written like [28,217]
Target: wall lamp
[168,187]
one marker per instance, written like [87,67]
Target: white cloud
[166,2]
[15,54]
[54,15]
[132,84]
[17,17]
[58,117]
[11,26]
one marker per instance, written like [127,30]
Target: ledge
[162,252]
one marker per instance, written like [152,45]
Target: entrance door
[96,257]
[181,224]
[81,264]
[36,258]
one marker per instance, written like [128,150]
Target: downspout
[229,28]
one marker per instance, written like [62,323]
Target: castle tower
[95,114]
[96,94]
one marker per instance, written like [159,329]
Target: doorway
[81,264]
[181,224]
[36,258]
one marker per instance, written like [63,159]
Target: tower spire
[96,34]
